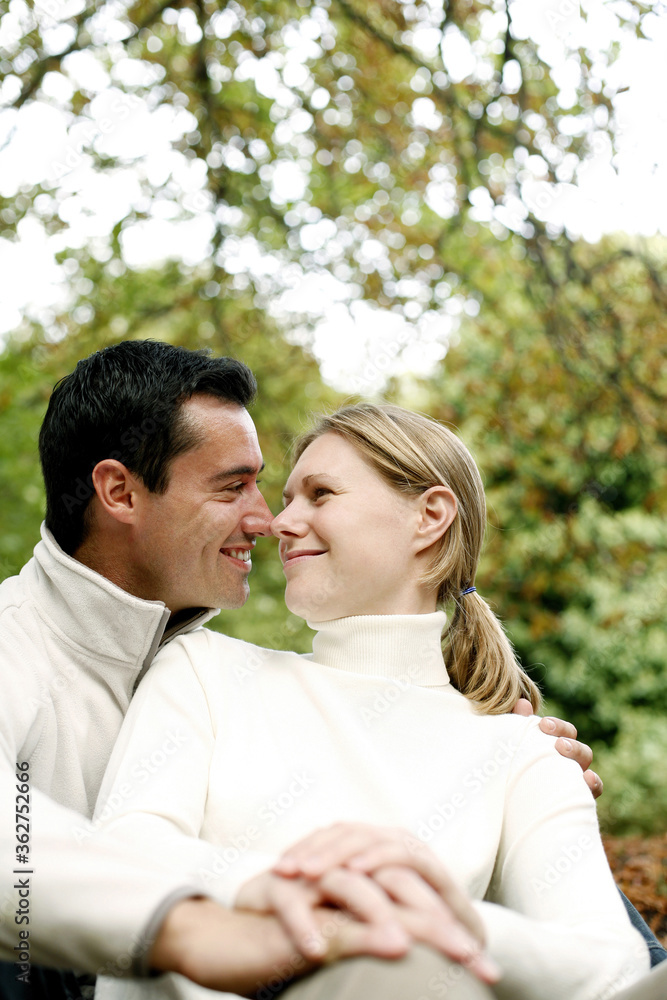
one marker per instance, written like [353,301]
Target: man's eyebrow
[238,470]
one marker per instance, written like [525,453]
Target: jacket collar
[94,614]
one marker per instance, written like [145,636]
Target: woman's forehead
[330,455]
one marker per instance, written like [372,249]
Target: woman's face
[347,539]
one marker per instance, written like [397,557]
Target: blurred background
[457,205]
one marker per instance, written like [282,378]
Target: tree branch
[47,63]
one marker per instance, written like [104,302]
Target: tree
[560,389]
[366,142]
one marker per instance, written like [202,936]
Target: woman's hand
[566,744]
[294,901]
[430,905]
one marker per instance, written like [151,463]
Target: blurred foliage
[640,869]
[561,396]
[337,139]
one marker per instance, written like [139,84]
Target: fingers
[412,854]
[576,751]
[345,937]
[398,848]
[566,744]
[331,847]
[594,782]
[557,727]
[292,902]
[431,921]
[364,899]
[450,897]
[367,848]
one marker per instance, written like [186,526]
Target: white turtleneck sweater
[273,745]
[72,646]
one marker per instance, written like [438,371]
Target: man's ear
[437,509]
[117,489]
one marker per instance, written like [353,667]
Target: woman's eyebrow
[287,494]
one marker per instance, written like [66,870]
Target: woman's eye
[320,491]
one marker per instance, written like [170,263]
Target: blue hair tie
[470,590]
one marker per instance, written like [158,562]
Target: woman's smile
[291,558]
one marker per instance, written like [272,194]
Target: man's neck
[114,566]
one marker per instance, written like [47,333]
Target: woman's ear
[437,509]
[116,489]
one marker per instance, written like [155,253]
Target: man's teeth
[242,554]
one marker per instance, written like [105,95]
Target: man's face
[193,542]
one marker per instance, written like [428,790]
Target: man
[150,461]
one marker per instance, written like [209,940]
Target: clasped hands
[346,890]
[355,889]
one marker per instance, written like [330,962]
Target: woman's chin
[296,604]
[312,610]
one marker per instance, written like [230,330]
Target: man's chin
[231,602]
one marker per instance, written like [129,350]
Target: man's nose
[258,519]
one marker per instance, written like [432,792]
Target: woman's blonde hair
[412,452]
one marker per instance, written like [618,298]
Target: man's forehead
[225,431]
[206,407]
[210,415]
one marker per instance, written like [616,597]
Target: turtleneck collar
[99,616]
[393,646]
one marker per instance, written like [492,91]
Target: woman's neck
[404,648]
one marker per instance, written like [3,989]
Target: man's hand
[566,744]
[430,905]
[224,950]
[239,951]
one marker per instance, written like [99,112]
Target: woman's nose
[288,523]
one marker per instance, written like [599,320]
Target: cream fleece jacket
[273,745]
[72,646]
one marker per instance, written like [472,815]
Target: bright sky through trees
[620,190]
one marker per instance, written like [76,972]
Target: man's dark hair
[125,402]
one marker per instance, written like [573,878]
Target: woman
[383,524]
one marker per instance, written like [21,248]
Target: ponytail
[481,661]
